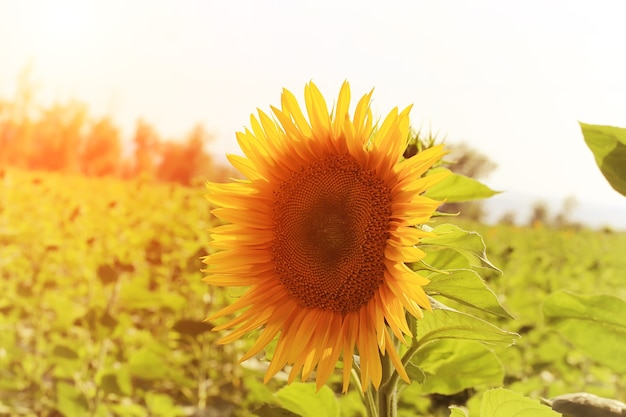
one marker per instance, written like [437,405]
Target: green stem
[368,395]
[388,392]
[384,402]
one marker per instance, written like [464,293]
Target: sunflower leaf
[466,287]
[585,319]
[267,410]
[456,188]
[457,412]
[454,365]
[446,323]
[415,373]
[501,402]
[455,248]
[608,145]
[304,400]
[70,400]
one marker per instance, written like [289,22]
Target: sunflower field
[102,306]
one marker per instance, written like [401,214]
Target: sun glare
[62,27]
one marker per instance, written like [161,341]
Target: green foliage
[457,412]
[451,241]
[101,306]
[304,400]
[453,365]
[456,188]
[608,145]
[501,402]
[102,301]
[585,320]
[446,323]
[468,288]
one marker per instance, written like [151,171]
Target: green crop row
[102,302]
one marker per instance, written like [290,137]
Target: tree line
[64,137]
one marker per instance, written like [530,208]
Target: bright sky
[509,78]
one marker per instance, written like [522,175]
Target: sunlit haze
[511,79]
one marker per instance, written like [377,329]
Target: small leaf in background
[70,401]
[457,412]
[351,405]
[191,327]
[596,324]
[65,352]
[446,323]
[162,405]
[456,188]
[146,364]
[608,145]
[67,310]
[454,365]
[455,248]
[115,381]
[257,392]
[107,274]
[501,402]
[302,399]
[415,373]
[273,411]
[108,384]
[468,288]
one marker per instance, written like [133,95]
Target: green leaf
[272,411]
[457,412]
[608,145]
[147,364]
[162,405]
[65,352]
[107,274]
[415,373]
[456,188]
[70,401]
[446,323]
[108,384]
[501,402]
[128,409]
[454,365]
[302,399]
[136,295]
[117,381]
[351,405]
[192,328]
[468,288]
[455,248]
[586,320]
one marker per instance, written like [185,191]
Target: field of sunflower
[101,304]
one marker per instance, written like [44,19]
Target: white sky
[509,78]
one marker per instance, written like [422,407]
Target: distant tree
[564,217]
[508,217]
[63,137]
[16,122]
[147,149]
[182,162]
[539,214]
[102,151]
[56,138]
[469,162]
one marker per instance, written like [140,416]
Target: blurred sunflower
[320,232]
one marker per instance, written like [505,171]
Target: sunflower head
[321,232]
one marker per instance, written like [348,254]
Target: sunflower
[320,233]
